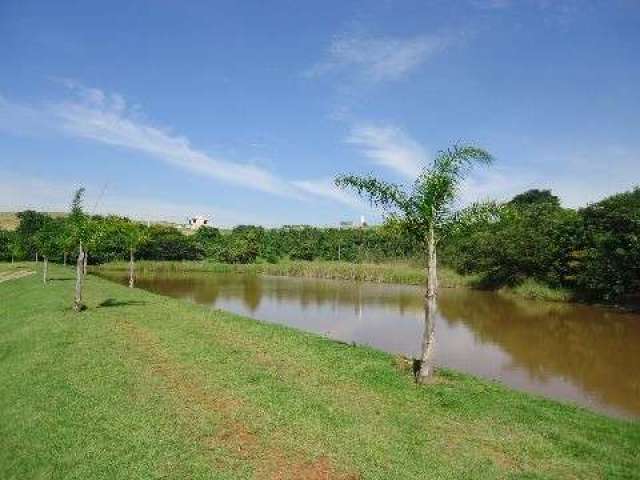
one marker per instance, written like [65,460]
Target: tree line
[242,244]
[594,251]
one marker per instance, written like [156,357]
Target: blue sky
[245,111]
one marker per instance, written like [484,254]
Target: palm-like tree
[425,209]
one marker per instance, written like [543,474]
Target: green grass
[369,272]
[534,290]
[142,386]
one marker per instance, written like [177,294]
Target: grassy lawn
[144,386]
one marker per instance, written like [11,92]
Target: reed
[535,290]
[365,272]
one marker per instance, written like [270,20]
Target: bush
[609,263]
[168,243]
[520,240]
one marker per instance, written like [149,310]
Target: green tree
[67,241]
[425,209]
[5,241]
[15,247]
[243,244]
[30,222]
[609,264]
[95,232]
[169,243]
[135,236]
[535,196]
[49,242]
[79,233]
[518,240]
[209,241]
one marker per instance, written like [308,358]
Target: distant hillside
[9,220]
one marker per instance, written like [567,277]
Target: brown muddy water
[576,353]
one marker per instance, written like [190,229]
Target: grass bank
[369,272]
[534,290]
[143,386]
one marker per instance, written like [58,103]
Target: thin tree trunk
[84,263]
[11,259]
[430,310]
[77,301]
[36,257]
[64,259]
[131,268]
[45,267]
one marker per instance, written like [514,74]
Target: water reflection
[580,353]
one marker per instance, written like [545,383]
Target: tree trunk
[11,259]
[45,267]
[430,310]
[77,301]
[84,263]
[131,268]
[36,257]
[64,259]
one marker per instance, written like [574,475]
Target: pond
[586,355]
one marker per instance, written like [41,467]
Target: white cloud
[582,177]
[383,58]
[495,183]
[326,188]
[390,147]
[20,193]
[577,178]
[106,119]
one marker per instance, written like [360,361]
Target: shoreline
[402,274]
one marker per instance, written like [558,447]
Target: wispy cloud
[497,183]
[20,193]
[578,178]
[20,119]
[390,147]
[378,59]
[326,188]
[558,13]
[492,4]
[106,118]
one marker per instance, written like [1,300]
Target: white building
[351,224]
[197,221]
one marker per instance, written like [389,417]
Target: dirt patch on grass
[234,436]
[178,381]
[319,469]
[14,275]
